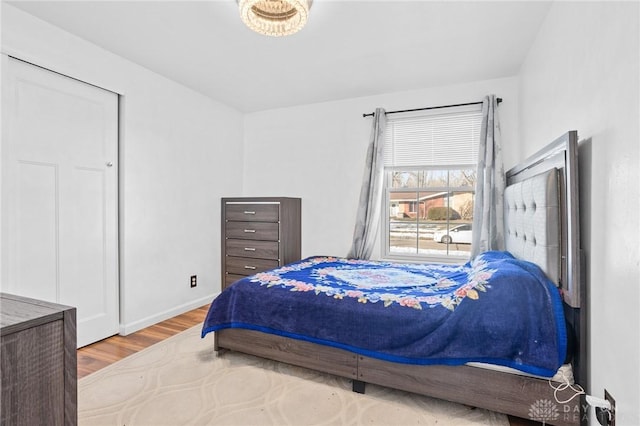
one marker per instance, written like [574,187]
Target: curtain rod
[371,114]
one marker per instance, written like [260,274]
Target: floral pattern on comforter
[411,285]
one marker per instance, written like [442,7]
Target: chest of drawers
[258,234]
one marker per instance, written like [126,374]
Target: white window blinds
[448,138]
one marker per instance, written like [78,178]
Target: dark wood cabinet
[38,362]
[258,234]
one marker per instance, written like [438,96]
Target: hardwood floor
[105,352]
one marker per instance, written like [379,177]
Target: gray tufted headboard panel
[560,157]
[532,222]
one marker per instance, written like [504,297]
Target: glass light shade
[274,17]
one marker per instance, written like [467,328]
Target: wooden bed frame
[502,392]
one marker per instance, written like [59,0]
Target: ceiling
[348,48]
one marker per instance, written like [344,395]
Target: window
[430,177]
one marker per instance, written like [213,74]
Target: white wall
[179,153]
[583,73]
[317,152]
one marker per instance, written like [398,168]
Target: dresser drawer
[232,278]
[267,231]
[255,249]
[248,266]
[253,212]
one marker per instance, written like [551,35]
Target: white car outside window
[457,234]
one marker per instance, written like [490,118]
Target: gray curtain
[368,216]
[488,213]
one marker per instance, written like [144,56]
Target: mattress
[563,375]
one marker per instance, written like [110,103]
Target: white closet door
[59,194]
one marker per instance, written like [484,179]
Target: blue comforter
[495,309]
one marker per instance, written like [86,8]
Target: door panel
[59,194]
[35,230]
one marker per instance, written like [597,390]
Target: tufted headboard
[552,169]
[539,229]
[532,222]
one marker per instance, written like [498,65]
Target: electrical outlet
[609,398]
[194,281]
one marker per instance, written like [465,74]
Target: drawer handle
[249,249]
[249,212]
[250,231]
[253,268]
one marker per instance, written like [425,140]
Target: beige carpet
[181,381]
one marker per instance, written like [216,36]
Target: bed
[437,330]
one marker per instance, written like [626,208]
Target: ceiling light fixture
[275,17]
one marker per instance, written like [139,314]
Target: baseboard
[129,328]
